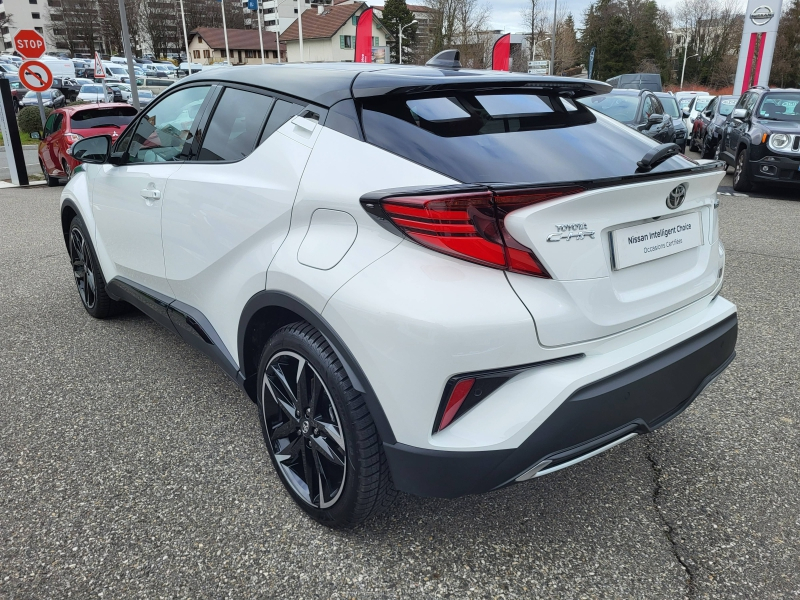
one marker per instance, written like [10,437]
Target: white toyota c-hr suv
[429,279]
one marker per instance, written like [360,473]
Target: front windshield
[145,94]
[726,106]
[685,102]
[702,102]
[671,107]
[782,106]
[91,89]
[618,107]
[33,94]
[117,71]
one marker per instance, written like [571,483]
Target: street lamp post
[553,39]
[685,52]
[400,47]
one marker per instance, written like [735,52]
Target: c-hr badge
[571,231]
[676,197]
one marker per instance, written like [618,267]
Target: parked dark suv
[710,123]
[762,138]
[638,109]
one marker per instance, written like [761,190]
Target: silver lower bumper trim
[540,468]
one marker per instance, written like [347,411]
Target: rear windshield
[701,103]
[506,138]
[103,117]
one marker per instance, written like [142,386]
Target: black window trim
[209,113]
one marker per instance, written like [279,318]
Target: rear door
[228,210]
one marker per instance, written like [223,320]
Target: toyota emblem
[676,197]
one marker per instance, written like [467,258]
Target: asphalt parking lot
[131,467]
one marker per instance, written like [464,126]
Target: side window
[234,127]
[282,112]
[658,109]
[751,102]
[49,125]
[648,108]
[57,124]
[161,133]
[743,101]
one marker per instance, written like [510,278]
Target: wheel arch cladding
[68,212]
[268,311]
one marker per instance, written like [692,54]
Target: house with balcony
[329,33]
[207,46]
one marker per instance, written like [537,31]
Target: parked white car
[94,93]
[432,280]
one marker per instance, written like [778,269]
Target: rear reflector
[471,225]
[457,397]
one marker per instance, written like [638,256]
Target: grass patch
[25,139]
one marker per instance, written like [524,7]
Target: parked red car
[67,125]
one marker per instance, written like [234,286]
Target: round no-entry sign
[35,75]
[29,43]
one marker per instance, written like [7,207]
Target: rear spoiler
[425,81]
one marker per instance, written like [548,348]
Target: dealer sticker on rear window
[657,239]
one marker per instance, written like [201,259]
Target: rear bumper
[636,400]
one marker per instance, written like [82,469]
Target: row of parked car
[757,133]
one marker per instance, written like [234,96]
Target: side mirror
[655,119]
[93,150]
[685,113]
[739,113]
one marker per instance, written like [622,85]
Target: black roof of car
[627,92]
[328,83]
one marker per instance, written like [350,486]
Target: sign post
[8,126]
[539,67]
[760,26]
[99,73]
[29,43]
[126,43]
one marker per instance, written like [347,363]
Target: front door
[128,198]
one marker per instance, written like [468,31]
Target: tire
[693,143]
[330,441]
[704,150]
[65,167]
[51,181]
[90,281]
[741,173]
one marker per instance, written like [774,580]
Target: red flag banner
[501,53]
[364,37]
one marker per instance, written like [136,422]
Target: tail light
[470,225]
[71,138]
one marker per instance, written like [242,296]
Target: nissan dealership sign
[758,44]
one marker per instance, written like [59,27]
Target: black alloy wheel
[741,175]
[304,429]
[320,435]
[88,275]
[83,268]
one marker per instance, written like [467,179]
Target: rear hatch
[625,245]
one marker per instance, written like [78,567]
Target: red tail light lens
[471,225]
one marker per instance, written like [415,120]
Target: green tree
[786,65]
[395,15]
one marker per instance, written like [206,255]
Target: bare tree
[714,28]
[75,25]
[537,20]
[461,24]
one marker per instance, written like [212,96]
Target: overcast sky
[506,14]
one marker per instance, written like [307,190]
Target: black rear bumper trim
[638,399]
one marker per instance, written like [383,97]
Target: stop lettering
[29,43]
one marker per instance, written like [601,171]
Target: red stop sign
[29,43]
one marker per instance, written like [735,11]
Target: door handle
[151,194]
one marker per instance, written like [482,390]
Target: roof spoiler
[390,82]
